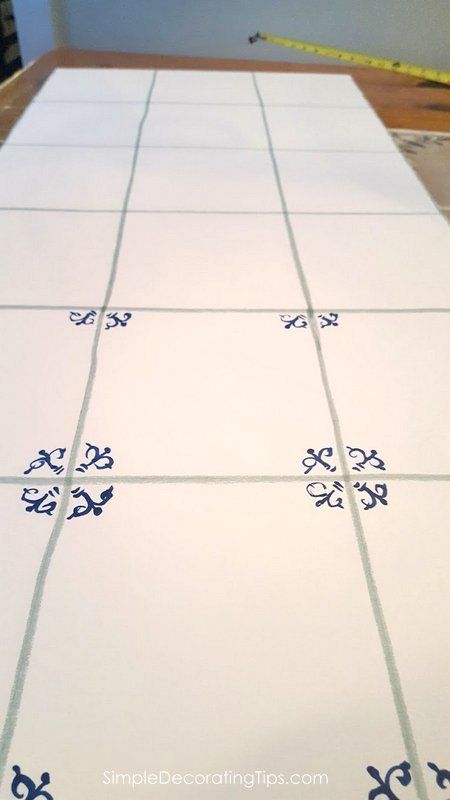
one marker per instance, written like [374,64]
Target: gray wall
[413,30]
[34,28]
[417,30]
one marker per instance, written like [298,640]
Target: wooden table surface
[400,100]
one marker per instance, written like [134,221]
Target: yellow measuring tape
[428,73]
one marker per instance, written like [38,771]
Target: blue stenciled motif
[384,788]
[317,489]
[329,320]
[442,775]
[371,495]
[113,320]
[298,321]
[100,459]
[363,459]
[39,504]
[377,495]
[314,458]
[46,500]
[97,459]
[79,318]
[301,320]
[46,460]
[22,786]
[94,506]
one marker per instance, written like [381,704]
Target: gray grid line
[33,615]
[360,107]
[254,213]
[374,596]
[55,145]
[101,480]
[206,310]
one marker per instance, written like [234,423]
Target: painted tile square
[359,129]
[57,258]
[390,387]
[44,362]
[96,85]
[78,124]
[200,86]
[207,180]
[260,556]
[309,90]
[184,125]
[375,261]
[351,183]
[206,261]
[211,395]
[415,536]
[64,177]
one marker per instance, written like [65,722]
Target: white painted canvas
[223,473]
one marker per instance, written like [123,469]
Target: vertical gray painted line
[375,600]
[33,615]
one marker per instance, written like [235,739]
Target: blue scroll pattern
[401,774]
[329,320]
[45,500]
[442,775]
[371,494]
[24,787]
[114,319]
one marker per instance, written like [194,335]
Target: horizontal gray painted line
[254,213]
[56,145]
[177,310]
[360,106]
[30,480]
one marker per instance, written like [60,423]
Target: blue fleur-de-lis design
[330,319]
[314,458]
[46,500]
[372,495]
[80,318]
[40,505]
[377,495]
[372,458]
[113,319]
[97,459]
[32,791]
[299,321]
[46,460]
[90,505]
[319,491]
[384,788]
[442,775]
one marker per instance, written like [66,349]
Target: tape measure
[378,62]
